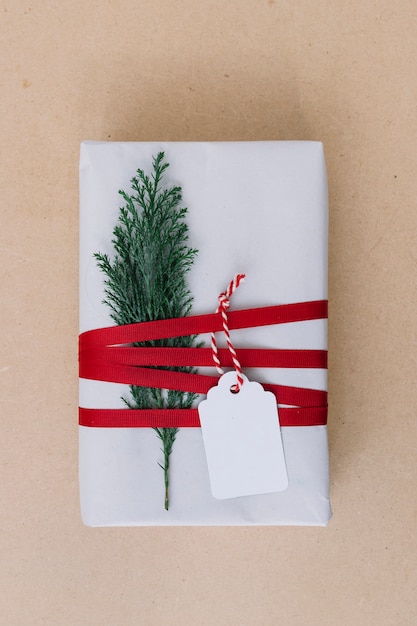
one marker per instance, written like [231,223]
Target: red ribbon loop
[104,355]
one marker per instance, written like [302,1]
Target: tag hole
[234,389]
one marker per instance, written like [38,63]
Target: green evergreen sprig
[146,280]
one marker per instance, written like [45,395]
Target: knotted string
[224,303]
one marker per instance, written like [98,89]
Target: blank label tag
[242,439]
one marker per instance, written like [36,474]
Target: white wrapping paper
[258,208]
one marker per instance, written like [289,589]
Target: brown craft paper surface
[338,72]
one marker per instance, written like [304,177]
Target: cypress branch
[146,280]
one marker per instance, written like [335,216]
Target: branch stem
[166,476]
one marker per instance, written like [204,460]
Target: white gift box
[258,208]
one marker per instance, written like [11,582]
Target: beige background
[344,72]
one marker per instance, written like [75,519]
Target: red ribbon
[101,357]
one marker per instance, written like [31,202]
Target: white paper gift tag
[242,439]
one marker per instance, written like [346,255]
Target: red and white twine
[224,303]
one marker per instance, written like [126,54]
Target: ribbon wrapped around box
[253,207]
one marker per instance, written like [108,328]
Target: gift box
[259,208]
